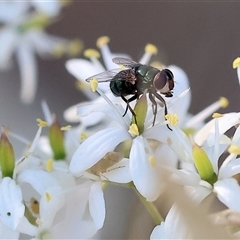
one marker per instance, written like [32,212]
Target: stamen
[207,112]
[94,84]
[89,53]
[223,102]
[236,63]
[66,128]
[49,165]
[133,129]
[83,136]
[42,123]
[172,119]
[153,161]
[102,41]
[234,149]
[150,48]
[217,115]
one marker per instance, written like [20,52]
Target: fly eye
[163,78]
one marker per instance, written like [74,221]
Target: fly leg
[127,101]
[154,106]
[165,105]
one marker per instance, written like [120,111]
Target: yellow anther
[91,53]
[66,128]
[134,129]
[150,48]
[94,84]
[236,62]
[75,47]
[217,115]
[153,161]
[223,102]
[172,119]
[234,149]
[48,197]
[42,123]
[49,165]
[102,41]
[83,136]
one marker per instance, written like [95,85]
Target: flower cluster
[56,188]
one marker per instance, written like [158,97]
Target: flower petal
[230,169]
[11,205]
[97,204]
[28,71]
[228,192]
[118,173]
[96,147]
[8,40]
[145,176]
[158,232]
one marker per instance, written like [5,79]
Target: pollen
[91,53]
[223,102]
[150,48]
[133,129]
[236,62]
[49,165]
[42,123]
[48,197]
[83,136]
[94,84]
[172,119]
[153,161]
[217,115]
[234,149]
[66,128]
[102,41]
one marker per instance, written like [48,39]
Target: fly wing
[125,62]
[104,76]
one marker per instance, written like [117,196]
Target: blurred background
[203,38]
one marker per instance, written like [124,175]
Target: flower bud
[56,139]
[140,110]
[7,158]
[203,165]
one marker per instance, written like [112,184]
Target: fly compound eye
[163,81]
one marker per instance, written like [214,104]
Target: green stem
[151,208]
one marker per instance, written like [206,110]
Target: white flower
[23,34]
[145,161]
[214,145]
